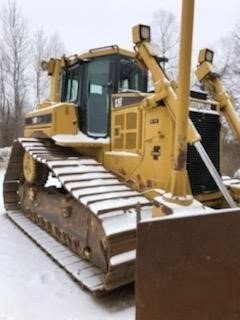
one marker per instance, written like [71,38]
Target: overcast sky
[93,23]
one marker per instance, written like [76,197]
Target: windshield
[130,75]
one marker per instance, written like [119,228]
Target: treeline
[22,84]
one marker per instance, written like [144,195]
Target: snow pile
[237,174]
[78,138]
[1,192]
[4,156]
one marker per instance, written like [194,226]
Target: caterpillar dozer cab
[106,167]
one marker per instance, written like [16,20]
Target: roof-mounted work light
[141,33]
[205,55]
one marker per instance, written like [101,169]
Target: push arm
[212,81]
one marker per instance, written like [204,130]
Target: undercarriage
[82,205]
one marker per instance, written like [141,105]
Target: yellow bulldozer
[127,181]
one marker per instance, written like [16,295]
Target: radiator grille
[208,125]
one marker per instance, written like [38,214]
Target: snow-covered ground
[33,287]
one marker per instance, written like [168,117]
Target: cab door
[97,97]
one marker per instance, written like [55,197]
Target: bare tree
[55,47]
[165,32]
[228,64]
[4,107]
[17,57]
[15,54]
[39,47]
[43,48]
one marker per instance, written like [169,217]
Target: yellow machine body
[138,148]
[141,137]
[51,120]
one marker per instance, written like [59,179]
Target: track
[81,270]
[95,216]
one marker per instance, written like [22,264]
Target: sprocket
[34,172]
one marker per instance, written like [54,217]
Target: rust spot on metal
[149,183]
[165,209]
[141,183]
[66,212]
[122,172]
[181,160]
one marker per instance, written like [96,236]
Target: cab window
[72,84]
[130,75]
